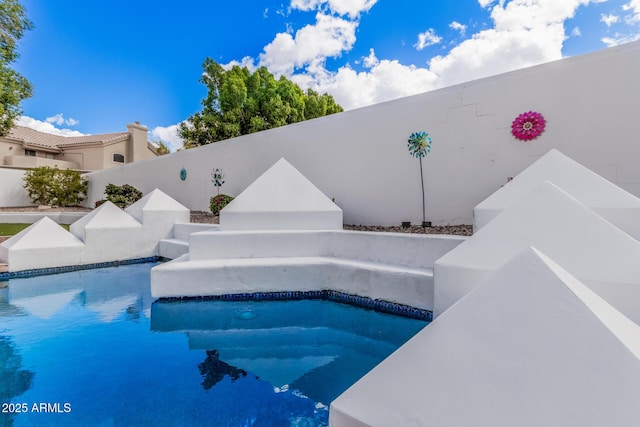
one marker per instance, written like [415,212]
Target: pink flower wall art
[528,126]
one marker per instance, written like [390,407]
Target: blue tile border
[328,295]
[56,270]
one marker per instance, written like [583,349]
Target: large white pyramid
[610,201]
[108,216]
[281,198]
[43,244]
[592,249]
[531,346]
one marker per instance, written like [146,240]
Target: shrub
[122,196]
[54,187]
[218,202]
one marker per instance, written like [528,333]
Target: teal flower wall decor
[183,174]
[419,144]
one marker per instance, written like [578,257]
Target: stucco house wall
[88,152]
[360,157]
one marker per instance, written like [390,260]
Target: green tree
[162,148]
[55,187]
[240,102]
[13,87]
[122,195]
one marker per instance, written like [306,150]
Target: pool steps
[394,267]
[178,244]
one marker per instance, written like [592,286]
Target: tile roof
[33,137]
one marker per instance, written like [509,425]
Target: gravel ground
[460,230]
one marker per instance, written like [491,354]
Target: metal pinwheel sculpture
[217,177]
[419,145]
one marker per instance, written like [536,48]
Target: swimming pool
[90,348]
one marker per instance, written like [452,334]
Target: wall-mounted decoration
[217,178]
[528,126]
[419,145]
[183,174]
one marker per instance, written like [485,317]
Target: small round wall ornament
[183,174]
[528,126]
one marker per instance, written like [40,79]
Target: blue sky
[97,66]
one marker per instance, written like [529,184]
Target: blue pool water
[89,348]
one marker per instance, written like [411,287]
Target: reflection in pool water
[93,340]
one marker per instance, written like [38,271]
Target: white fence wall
[360,157]
[12,193]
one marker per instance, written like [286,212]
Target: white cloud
[59,120]
[306,5]
[247,61]
[371,60]
[350,8]
[576,32]
[620,39]
[634,7]
[609,20]
[525,33]
[328,37]
[47,126]
[428,38]
[455,25]
[485,3]
[168,135]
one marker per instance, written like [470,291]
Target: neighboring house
[27,148]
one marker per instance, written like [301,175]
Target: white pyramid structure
[43,244]
[109,234]
[158,213]
[158,204]
[608,200]
[106,234]
[106,217]
[281,198]
[592,249]
[531,346]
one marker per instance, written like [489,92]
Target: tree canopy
[13,87]
[240,102]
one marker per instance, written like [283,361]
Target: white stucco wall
[12,193]
[360,159]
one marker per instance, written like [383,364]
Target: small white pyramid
[610,201]
[43,244]
[44,233]
[530,346]
[592,249]
[281,198]
[106,216]
[156,201]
